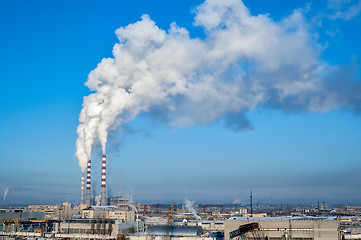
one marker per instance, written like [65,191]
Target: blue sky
[47,50]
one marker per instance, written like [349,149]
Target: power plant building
[276,228]
[109,212]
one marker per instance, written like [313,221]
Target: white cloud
[344,9]
[243,62]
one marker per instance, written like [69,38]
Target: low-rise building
[53,212]
[109,212]
[97,228]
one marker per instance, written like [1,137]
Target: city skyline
[280,150]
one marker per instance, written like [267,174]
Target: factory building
[275,228]
[53,212]
[22,222]
[109,212]
[97,228]
[121,202]
[29,227]
[12,219]
[21,214]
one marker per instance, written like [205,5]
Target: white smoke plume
[6,191]
[244,61]
[11,188]
[189,205]
[97,200]
[131,205]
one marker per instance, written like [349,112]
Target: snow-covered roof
[235,218]
[104,208]
[154,219]
[185,231]
[212,221]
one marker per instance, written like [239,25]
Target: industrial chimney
[82,189]
[88,183]
[103,192]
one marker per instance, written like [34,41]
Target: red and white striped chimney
[82,189]
[103,192]
[88,183]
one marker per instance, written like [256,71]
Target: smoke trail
[6,191]
[243,62]
[11,188]
[130,204]
[189,206]
[97,200]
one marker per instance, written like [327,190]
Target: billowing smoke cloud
[243,62]
[189,205]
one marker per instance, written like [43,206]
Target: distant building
[120,202]
[108,212]
[243,211]
[53,212]
[143,208]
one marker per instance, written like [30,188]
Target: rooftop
[104,208]
[236,218]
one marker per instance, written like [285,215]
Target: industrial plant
[121,218]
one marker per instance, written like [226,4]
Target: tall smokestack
[88,183]
[103,193]
[82,189]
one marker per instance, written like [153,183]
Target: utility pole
[251,203]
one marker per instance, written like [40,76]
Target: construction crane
[169,216]
[11,221]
